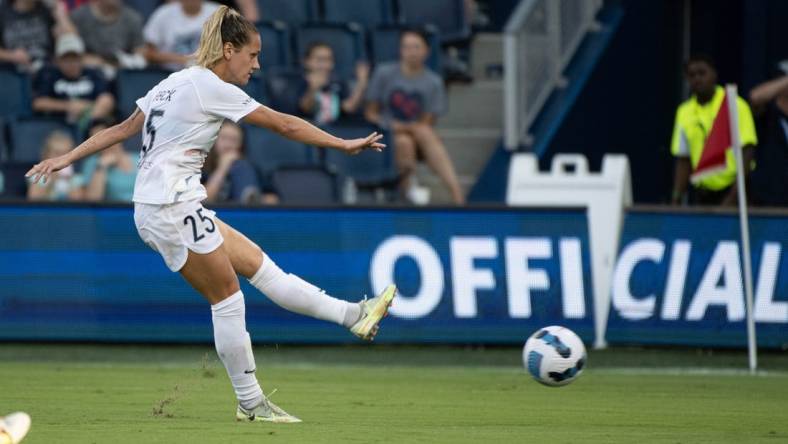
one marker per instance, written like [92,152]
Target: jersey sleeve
[100,85]
[136,26]
[44,83]
[88,168]
[222,99]
[375,87]
[153,32]
[437,98]
[143,103]
[679,146]
[747,132]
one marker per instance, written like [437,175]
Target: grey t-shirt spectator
[405,99]
[31,31]
[108,38]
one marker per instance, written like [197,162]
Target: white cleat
[14,427]
[266,411]
[372,311]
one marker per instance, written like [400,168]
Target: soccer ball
[554,356]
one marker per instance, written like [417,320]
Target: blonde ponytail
[225,25]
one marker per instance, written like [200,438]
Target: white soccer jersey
[183,114]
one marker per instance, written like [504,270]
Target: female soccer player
[181,116]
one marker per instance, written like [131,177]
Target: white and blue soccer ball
[554,356]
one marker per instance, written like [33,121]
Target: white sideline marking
[307,365]
[686,371]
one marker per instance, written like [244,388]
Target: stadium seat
[447,15]
[306,185]
[275,37]
[15,91]
[27,136]
[144,7]
[13,184]
[269,151]
[369,168]
[347,41]
[281,88]
[256,87]
[133,84]
[288,11]
[369,13]
[385,45]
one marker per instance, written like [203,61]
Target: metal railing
[539,41]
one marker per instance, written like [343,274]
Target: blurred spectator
[770,103]
[230,177]
[694,120]
[61,185]
[70,90]
[172,33]
[109,175]
[323,96]
[407,98]
[112,34]
[28,29]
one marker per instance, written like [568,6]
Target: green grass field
[168,394]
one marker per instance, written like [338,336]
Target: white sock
[297,295]
[235,348]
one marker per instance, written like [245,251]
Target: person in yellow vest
[694,119]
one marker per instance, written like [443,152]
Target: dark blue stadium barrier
[81,273]
[678,280]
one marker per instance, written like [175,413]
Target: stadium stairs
[473,123]
[491,180]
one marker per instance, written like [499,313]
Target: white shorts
[174,229]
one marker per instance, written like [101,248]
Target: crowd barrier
[466,275]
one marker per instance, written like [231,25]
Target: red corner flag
[712,159]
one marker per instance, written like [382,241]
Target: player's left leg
[14,427]
[295,294]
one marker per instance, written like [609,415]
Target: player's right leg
[197,253]
[14,427]
[295,294]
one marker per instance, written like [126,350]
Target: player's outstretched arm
[99,141]
[300,130]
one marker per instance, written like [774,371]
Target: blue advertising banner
[465,275]
[678,280]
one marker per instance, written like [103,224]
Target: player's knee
[230,287]
[249,262]
[254,259]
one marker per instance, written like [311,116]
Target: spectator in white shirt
[172,33]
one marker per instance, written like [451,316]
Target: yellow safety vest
[692,127]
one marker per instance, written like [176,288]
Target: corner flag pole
[733,111]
